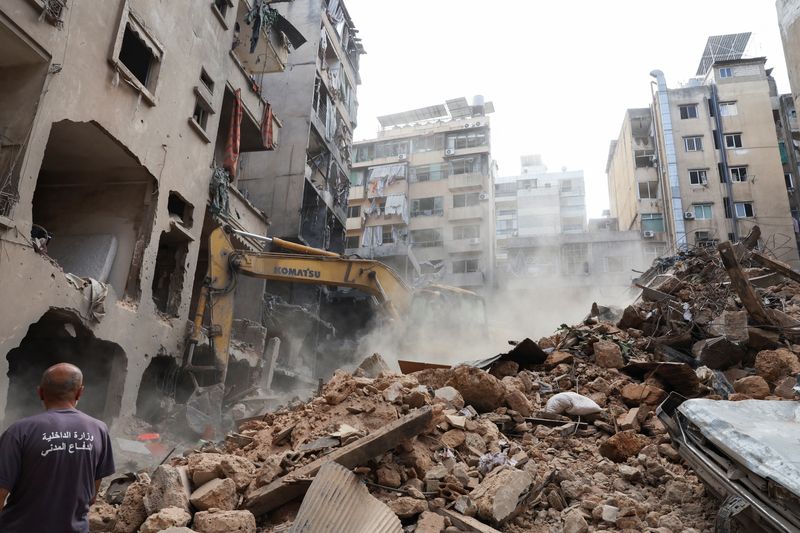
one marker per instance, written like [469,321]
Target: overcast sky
[560,72]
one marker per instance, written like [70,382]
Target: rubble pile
[555,435]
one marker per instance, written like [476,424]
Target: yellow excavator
[435,308]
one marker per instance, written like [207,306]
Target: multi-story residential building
[304,189]
[545,245]
[421,195]
[705,166]
[116,120]
[789,24]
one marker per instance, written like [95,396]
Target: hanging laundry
[266,127]
[231,162]
[395,204]
[261,15]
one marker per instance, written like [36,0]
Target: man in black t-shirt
[51,464]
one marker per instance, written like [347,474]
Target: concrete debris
[166,517]
[557,435]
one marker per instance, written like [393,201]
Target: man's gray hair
[61,381]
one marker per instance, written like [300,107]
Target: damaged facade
[703,164]
[119,145]
[421,195]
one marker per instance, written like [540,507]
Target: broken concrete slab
[218,493]
[499,495]
[622,445]
[478,388]
[717,353]
[167,488]
[774,365]
[218,521]
[286,488]
[373,365]
[607,354]
[165,518]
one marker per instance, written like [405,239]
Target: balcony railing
[465,181]
[463,213]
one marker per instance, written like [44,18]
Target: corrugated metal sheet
[337,502]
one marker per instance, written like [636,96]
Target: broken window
[356,178]
[23,69]
[468,199]
[427,238]
[222,6]
[427,206]
[388,234]
[465,266]
[137,55]
[644,158]
[179,209]
[170,271]
[60,337]
[205,79]
[203,107]
[98,209]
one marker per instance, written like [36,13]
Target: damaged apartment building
[123,125]
[705,163]
[421,195]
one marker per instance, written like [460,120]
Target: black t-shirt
[49,462]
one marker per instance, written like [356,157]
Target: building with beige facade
[703,165]
[120,126]
[421,195]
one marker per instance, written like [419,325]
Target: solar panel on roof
[722,48]
[459,108]
[415,115]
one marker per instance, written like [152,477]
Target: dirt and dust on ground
[558,434]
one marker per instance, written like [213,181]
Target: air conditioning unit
[688,215]
[449,151]
[484,195]
[467,125]
[476,124]
[648,234]
[402,157]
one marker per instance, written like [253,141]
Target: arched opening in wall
[162,383]
[60,337]
[97,203]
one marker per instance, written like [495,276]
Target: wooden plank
[467,522]
[778,266]
[295,483]
[739,282]
[748,243]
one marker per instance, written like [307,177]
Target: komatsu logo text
[297,272]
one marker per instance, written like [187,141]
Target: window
[702,211]
[698,176]
[688,111]
[733,140]
[466,232]
[725,72]
[206,80]
[354,211]
[693,144]
[728,109]
[744,209]
[465,266]
[426,238]
[365,153]
[391,149]
[726,204]
[428,143]
[648,190]
[653,222]
[434,172]
[356,178]
[566,185]
[388,233]
[467,165]
[352,242]
[787,177]
[738,174]
[466,199]
[466,140]
[427,206]
[137,55]
[200,114]
[644,158]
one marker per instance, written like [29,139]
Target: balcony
[465,181]
[468,279]
[384,250]
[465,213]
[357,192]
[353,223]
[272,51]
[458,152]
[463,245]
